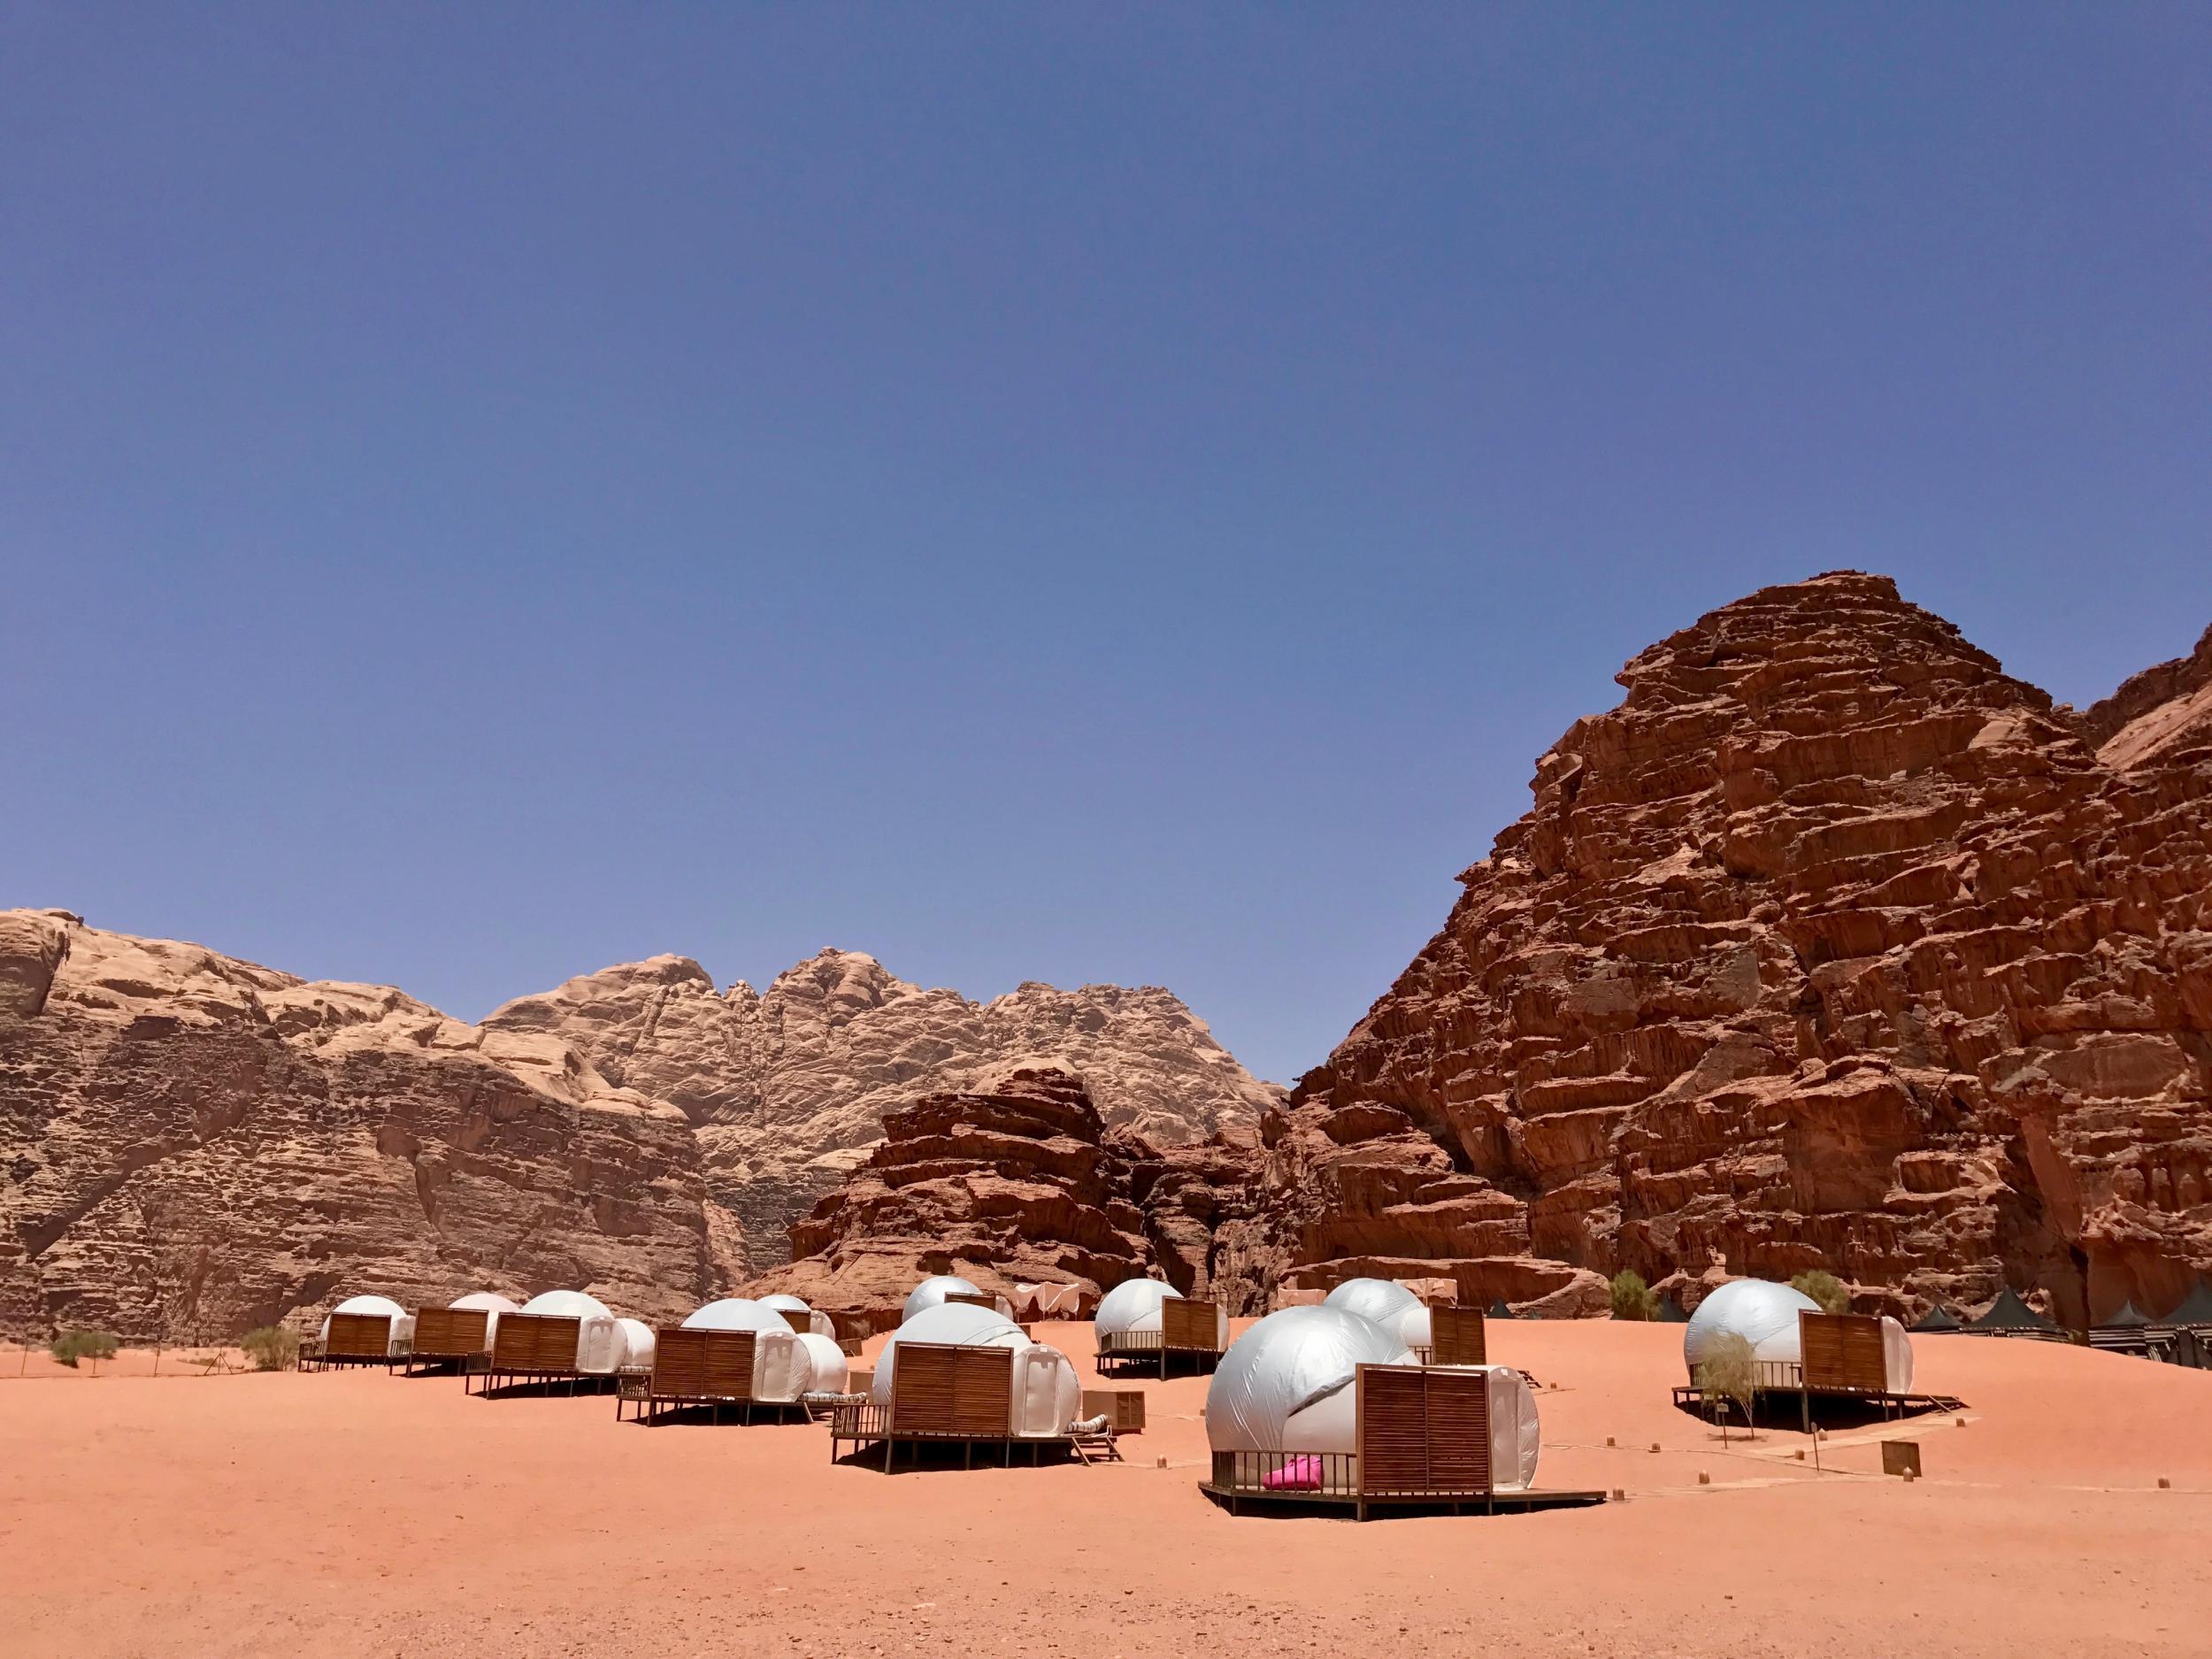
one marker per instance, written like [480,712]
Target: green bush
[72,1346]
[1727,1370]
[271,1347]
[1826,1288]
[1632,1299]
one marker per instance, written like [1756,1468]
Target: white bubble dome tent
[600,1344]
[1283,1413]
[1764,1314]
[783,1369]
[802,1317]
[1286,1385]
[940,1288]
[399,1333]
[1386,1304]
[1046,1394]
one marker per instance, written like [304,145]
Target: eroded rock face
[1016,1180]
[195,1145]
[789,1089]
[1833,945]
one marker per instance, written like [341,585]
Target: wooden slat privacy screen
[966,1392]
[1190,1327]
[1457,1337]
[1843,1352]
[442,1330]
[689,1364]
[359,1336]
[1423,1432]
[536,1343]
[973,1298]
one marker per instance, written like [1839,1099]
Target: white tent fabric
[638,1343]
[600,1343]
[1762,1312]
[736,1313]
[931,1292]
[1048,1301]
[828,1371]
[1132,1305]
[1896,1355]
[1286,1385]
[800,1316]
[402,1336]
[1046,1392]
[1389,1304]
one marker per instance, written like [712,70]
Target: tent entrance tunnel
[1425,1438]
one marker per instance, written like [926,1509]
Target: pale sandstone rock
[789,1089]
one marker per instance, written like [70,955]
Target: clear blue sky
[1055,493]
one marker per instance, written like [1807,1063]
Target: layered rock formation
[195,1146]
[789,1089]
[1015,1180]
[1831,945]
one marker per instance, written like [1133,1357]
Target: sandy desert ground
[355,1513]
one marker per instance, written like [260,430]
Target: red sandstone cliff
[1831,945]
[194,1145]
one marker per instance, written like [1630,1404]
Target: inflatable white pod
[1048,1395]
[1764,1314]
[801,1318]
[931,1292]
[494,1304]
[637,1344]
[828,1371]
[600,1343]
[1389,1304]
[955,1325]
[1134,1305]
[781,1366]
[400,1338]
[1287,1383]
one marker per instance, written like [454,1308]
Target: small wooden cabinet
[1122,1408]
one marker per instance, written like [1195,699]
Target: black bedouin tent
[2125,1330]
[1670,1311]
[1499,1310]
[1936,1321]
[2193,1314]
[2008,1316]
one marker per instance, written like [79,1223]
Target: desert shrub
[72,1346]
[1632,1299]
[271,1347]
[1825,1288]
[1727,1370]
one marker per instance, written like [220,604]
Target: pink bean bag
[1300,1474]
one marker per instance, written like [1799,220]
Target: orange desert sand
[354,1513]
